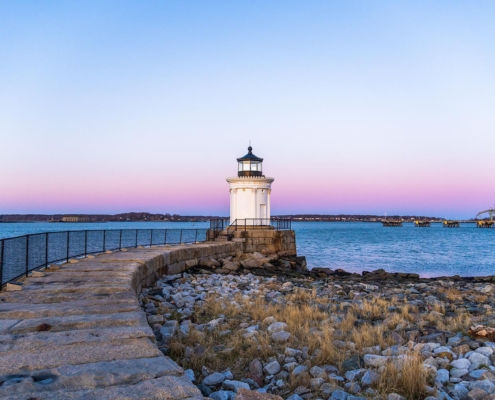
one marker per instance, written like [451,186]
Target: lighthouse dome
[250,165]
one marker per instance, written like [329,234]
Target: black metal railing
[219,224]
[23,254]
[278,224]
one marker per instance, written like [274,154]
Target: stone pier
[79,333]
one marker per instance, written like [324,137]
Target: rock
[484,384]
[372,350]
[461,363]
[269,320]
[372,360]
[299,370]
[169,329]
[328,388]
[235,385]
[479,331]
[317,372]
[395,396]
[190,374]
[369,378]
[460,392]
[205,390]
[216,378]
[339,395]
[222,271]
[272,368]
[222,395]
[230,266]
[209,262]
[252,263]
[227,374]
[295,397]
[476,394]
[289,367]
[443,376]
[458,372]
[155,319]
[352,387]
[355,362]
[315,383]
[486,351]
[244,394]
[486,289]
[478,360]
[476,374]
[461,349]
[292,352]
[256,368]
[277,327]
[281,336]
[355,374]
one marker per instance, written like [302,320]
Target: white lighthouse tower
[250,191]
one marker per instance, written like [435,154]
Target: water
[434,251]
[21,228]
[354,247]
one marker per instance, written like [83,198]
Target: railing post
[136,238]
[2,249]
[46,250]
[85,243]
[120,240]
[27,255]
[68,241]
[104,240]
[151,236]
[196,236]
[180,240]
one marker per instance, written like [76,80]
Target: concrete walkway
[79,333]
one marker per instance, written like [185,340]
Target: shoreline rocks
[361,331]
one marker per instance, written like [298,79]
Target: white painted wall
[247,194]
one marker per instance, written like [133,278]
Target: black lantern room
[250,165]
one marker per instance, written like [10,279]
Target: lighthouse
[250,191]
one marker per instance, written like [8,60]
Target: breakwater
[78,332]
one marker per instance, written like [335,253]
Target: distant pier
[485,224]
[451,224]
[393,223]
[422,224]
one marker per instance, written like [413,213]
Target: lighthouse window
[254,166]
[246,166]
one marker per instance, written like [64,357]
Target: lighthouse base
[266,241]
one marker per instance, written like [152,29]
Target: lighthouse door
[263,211]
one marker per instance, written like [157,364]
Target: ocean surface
[352,246]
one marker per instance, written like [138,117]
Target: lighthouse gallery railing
[22,254]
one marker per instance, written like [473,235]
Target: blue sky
[357,107]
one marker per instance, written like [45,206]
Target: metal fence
[278,224]
[23,254]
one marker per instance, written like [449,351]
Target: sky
[357,107]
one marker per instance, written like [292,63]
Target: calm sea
[352,246]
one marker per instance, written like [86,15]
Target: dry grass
[311,326]
[407,377]
[451,294]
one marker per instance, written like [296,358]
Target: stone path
[78,332]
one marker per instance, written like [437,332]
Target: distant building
[71,218]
